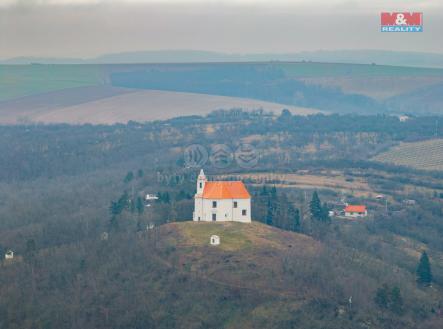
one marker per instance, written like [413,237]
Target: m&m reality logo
[402,22]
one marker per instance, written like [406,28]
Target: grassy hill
[22,80]
[312,69]
[109,105]
[427,99]
[247,258]
[296,281]
[377,81]
[330,87]
[170,277]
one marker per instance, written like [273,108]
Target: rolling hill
[170,277]
[424,100]
[109,105]
[363,56]
[293,277]
[22,80]
[49,93]
[376,81]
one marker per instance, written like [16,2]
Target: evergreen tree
[118,206]
[264,190]
[285,116]
[274,193]
[114,209]
[82,265]
[269,213]
[424,274]
[140,173]
[132,205]
[2,253]
[140,206]
[315,207]
[181,195]
[324,213]
[293,220]
[129,177]
[296,220]
[389,299]
[382,297]
[396,301]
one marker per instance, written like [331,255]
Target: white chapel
[221,201]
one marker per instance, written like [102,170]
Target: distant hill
[425,100]
[329,87]
[22,80]
[109,105]
[380,57]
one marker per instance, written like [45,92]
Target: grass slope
[239,236]
[170,277]
[22,80]
[310,69]
[380,87]
[109,105]
[301,282]
[426,155]
[149,105]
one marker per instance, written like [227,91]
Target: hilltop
[301,281]
[171,277]
[363,56]
[248,256]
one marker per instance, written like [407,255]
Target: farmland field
[22,80]
[324,86]
[427,155]
[377,87]
[118,105]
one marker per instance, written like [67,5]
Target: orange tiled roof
[225,190]
[355,208]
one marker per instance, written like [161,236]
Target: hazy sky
[87,28]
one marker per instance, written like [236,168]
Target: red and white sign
[401,22]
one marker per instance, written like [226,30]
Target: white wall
[355,214]
[224,211]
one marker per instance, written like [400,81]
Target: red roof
[225,190]
[358,208]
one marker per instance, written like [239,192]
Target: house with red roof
[221,201]
[356,211]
